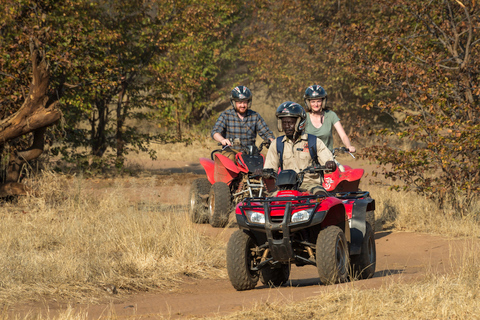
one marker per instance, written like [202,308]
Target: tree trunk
[33,116]
[99,138]
[121,111]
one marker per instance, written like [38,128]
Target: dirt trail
[401,256]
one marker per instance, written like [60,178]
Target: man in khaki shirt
[296,155]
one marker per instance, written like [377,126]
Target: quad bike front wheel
[332,255]
[363,264]
[219,204]
[275,276]
[198,200]
[241,256]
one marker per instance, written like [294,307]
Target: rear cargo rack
[351,195]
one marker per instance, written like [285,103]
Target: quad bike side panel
[352,174]
[208,165]
[225,169]
[331,180]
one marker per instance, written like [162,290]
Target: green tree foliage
[292,44]
[424,54]
[116,61]
[200,53]
[120,41]
[412,60]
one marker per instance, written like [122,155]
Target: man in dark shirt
[239,126]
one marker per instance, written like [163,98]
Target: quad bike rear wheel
[219,204]
[363,264]
[332,255]
[275,276]
[241,256]
[198,200]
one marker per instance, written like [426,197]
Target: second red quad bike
[228,182]
[333,233]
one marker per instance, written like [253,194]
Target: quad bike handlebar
[329,166]
[343,150]
[289,179]
[245,149]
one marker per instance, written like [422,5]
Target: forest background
[403,76]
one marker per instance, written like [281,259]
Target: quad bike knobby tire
[275,276]
[198,200]
[219,204]
[371,219]
[332,255]
[240,257]
[363,264]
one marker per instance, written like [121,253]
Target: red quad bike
[228,182]
[293,227]
[344,178]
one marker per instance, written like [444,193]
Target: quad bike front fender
[358,223]
[208,165]
[225,169]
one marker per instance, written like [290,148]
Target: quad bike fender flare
[358,223]
[335,216]
[209,167]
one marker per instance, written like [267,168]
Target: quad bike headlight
[301,216]
[255,217]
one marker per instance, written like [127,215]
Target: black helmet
[240,93]
[315,92]
[291,109]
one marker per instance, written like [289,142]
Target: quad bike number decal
[328,182]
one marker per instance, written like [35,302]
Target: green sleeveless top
[324,133]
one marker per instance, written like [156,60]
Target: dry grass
[411,212]
[76,238]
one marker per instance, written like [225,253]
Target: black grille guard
[281,248]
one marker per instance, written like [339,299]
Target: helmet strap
[279,125]
[307,103]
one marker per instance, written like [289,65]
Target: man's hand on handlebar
[329,166]
[226,143]
[269,174]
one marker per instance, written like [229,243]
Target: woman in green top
[320,120]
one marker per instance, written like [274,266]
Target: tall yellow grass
[73,241]
[408,211]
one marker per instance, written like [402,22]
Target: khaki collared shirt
[296,156]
